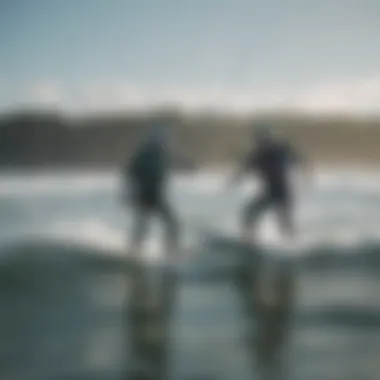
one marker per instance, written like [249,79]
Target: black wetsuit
[272,164]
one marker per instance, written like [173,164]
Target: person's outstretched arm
[241,170]
[303,164]
[130,176]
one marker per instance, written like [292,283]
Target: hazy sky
[103,54]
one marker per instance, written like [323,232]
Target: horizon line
[155,111]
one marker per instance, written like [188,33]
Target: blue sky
[108,54]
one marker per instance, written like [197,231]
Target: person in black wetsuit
[147,175]
[272,161]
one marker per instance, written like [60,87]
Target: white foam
[57,183]
[342,208]
[89,231]
[96,232]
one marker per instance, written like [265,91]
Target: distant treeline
[38,140]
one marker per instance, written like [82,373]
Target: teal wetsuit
[148,172]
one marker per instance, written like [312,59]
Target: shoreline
[219,170]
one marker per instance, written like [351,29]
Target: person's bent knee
[253,210]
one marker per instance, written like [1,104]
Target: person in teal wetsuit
[147,174]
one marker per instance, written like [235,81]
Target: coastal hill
[45,140]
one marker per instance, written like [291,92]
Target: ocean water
[62,290]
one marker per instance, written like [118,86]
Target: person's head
[158,134]
[262,134]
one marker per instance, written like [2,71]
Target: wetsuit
[147,172]
[271,163]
